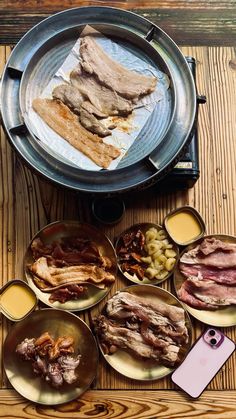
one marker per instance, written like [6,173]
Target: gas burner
[186,172]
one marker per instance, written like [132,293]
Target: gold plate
[57,323]
[144,227]
[146,370]
[223,317]
[64,229]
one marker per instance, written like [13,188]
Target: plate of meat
[143,332]
[50,357]
[70,265]
[146,254]
[205,280]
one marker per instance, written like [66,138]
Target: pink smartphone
[202,363]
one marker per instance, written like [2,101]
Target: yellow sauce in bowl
[17,301]
[183,226]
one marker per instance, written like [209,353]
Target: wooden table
[205,30]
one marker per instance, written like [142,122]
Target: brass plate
[223,317]
[144,227]
[56,322]
[146,370]
[63,229]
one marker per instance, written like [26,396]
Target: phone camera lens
[213,341]
[212,332]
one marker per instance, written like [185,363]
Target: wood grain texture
[28,203]
[188,23]
[125,405]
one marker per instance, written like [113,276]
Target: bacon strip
[80,274]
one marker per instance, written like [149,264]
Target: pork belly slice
[103,98]
[185,295]
[209,245]
[65,123]
[169,319]
[80,274]
[110,73]
[71,97]
[202,272]
[121,337]
[223,255]
[92,124]
[210,293]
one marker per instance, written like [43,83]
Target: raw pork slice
[202,272]
[210,292]
[216,253]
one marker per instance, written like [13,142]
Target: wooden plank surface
[125,405]
[28,203]
[209,22]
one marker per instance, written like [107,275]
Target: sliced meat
[126,83]
[79,274]
[124,338]
[69,96]
[124,305]
[185,294]
[202,272]
[223,256]
[59,117]
[92,124]
[72,97]
[210,245]
[211,293]
[103,98]
[206,295]
[89,107]
[72,292]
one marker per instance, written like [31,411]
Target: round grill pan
[35,60]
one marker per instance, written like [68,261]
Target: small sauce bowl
[17,300]
[184,225]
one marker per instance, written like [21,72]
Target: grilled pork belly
[72,97]
[126,83]
[65,123]
[103,98]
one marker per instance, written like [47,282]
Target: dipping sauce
[183,226]
[17,300]
[108,210]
